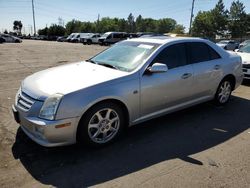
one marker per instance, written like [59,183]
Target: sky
[47,12]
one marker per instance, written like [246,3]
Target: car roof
[166,39]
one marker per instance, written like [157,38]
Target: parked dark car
[228,44]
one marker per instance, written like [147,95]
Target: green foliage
[44,31]
[220,21]
[179,29]
[203,25]
[165,25]
[53,30]
[73,26]
[131,25]
[238,19]
[17,26]
[56,30]
[220,18]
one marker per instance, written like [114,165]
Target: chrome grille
[24,101]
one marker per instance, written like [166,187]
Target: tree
[56,30]
[5,31]
[131,23]
[179,29]
[220,19]
[203,25]
[44,31]
[139,24]
[165,25]
[73,26]
[17,26]
[238,19]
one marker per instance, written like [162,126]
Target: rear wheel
[101,125]
[223,93]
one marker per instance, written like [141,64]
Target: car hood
[245,57]
[68,78]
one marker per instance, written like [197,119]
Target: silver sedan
[92,101]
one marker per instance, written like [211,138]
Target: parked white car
[79,36]
[244,52]
[92,38]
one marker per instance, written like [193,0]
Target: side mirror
[157,68]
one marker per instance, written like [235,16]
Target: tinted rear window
[198,52]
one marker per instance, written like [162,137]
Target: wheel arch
[231,78]
[114,101]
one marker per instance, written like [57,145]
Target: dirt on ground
[203,146]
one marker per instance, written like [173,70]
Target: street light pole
[34,18]
[191,18]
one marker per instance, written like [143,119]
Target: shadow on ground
[176,135]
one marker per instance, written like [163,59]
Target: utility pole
[97,24]
[34,17]
[191,18]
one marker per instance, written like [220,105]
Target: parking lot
[203,146]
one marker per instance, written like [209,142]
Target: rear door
[207,68]
[160,91]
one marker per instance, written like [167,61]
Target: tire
[89,42]
[101,125]
[223,92]
[84,43]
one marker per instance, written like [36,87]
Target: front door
[160,91]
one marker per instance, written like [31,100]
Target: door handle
[186,75]
[217,67]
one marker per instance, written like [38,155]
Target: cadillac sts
[135,80]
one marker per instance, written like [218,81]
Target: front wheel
[101,125]
[223,93]
[89,42]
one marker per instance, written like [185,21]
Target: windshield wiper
[91,61]
[108,65]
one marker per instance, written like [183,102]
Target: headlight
[49,108]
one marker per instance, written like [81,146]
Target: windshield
[125,56]
[105,35]
[245,49]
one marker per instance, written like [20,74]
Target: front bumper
[246,71]
[47,133]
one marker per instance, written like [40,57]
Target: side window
[213,54]
[198,52]
[173,56]
[116,35]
